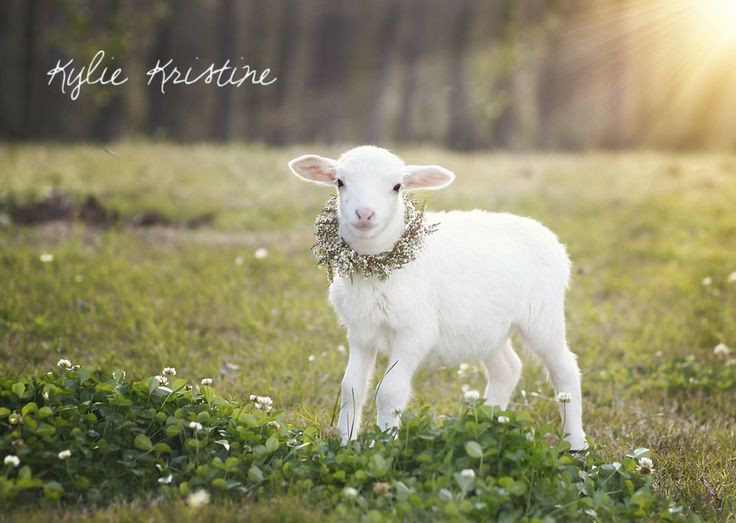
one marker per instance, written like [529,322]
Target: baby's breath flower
[468,473]
[166,480]
[381,488]
[564,397]
[65,454]
[163,380]
[472,395]
[198,498]
[195,426]
[260,253]
[206,381]
[337,257]
[46,257]
[11,461]
[503,419]
[646,466]
[64,364]
[721,350]
[169,371]
[350,492]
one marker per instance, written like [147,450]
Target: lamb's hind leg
[503,369]
[547,340]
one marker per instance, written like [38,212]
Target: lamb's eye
[397,187]
[340,183]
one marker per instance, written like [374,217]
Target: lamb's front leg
[354,389]
[394,390]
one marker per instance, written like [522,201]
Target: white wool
[479,277]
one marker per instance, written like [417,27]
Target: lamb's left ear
[313,168]
[429,177]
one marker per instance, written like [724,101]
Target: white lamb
[479,277]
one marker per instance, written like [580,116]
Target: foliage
[82,433]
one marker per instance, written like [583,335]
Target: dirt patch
[59,207]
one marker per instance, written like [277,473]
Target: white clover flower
[468,473]
[350,492]
[199,498]
[260,253]
[46,257]
[472,395]
[707,280]
[721,350]
[646,466]
[564,397]
[503,419]
[12,461]
[169,371]
[292,442]
[206,381]
[163,380]
[310,359]
[341,348]
[166,480]
[64,364]
[731,277]
[65,454]
[252,397]
[195,426]
[239,260]
[263,403]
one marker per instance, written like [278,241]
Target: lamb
[477,278]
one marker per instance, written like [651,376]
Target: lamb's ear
[313,168]
[429,177]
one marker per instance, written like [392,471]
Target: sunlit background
[521,74]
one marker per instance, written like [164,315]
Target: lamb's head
[369,183]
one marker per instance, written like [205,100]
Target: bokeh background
[466,74]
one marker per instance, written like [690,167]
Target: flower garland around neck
[337,257]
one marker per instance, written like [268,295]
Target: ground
[652,237]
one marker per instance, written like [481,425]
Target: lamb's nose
[365,214]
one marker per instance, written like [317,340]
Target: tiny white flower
[731,277]
[169,371]
[64,364]
[721,350]
[206,381]
[11,460]
[65,454]
[239,260]
[503,419]
[310,359]
[341,348]
[195,426]
[292,442]
[646,466]
[564,397]
[350,492]
[707,280]
[468,474]
[260,253]
[472,395]
[263,403]
[46,257]
[252,397]
[166,480]
[163,380]
[199,498]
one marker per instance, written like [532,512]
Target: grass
[643,229]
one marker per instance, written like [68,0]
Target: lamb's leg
[547,340]
[503,369]
[394,390]
[354,388]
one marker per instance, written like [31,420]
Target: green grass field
[652,237]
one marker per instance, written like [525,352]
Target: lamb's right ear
[316,169]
